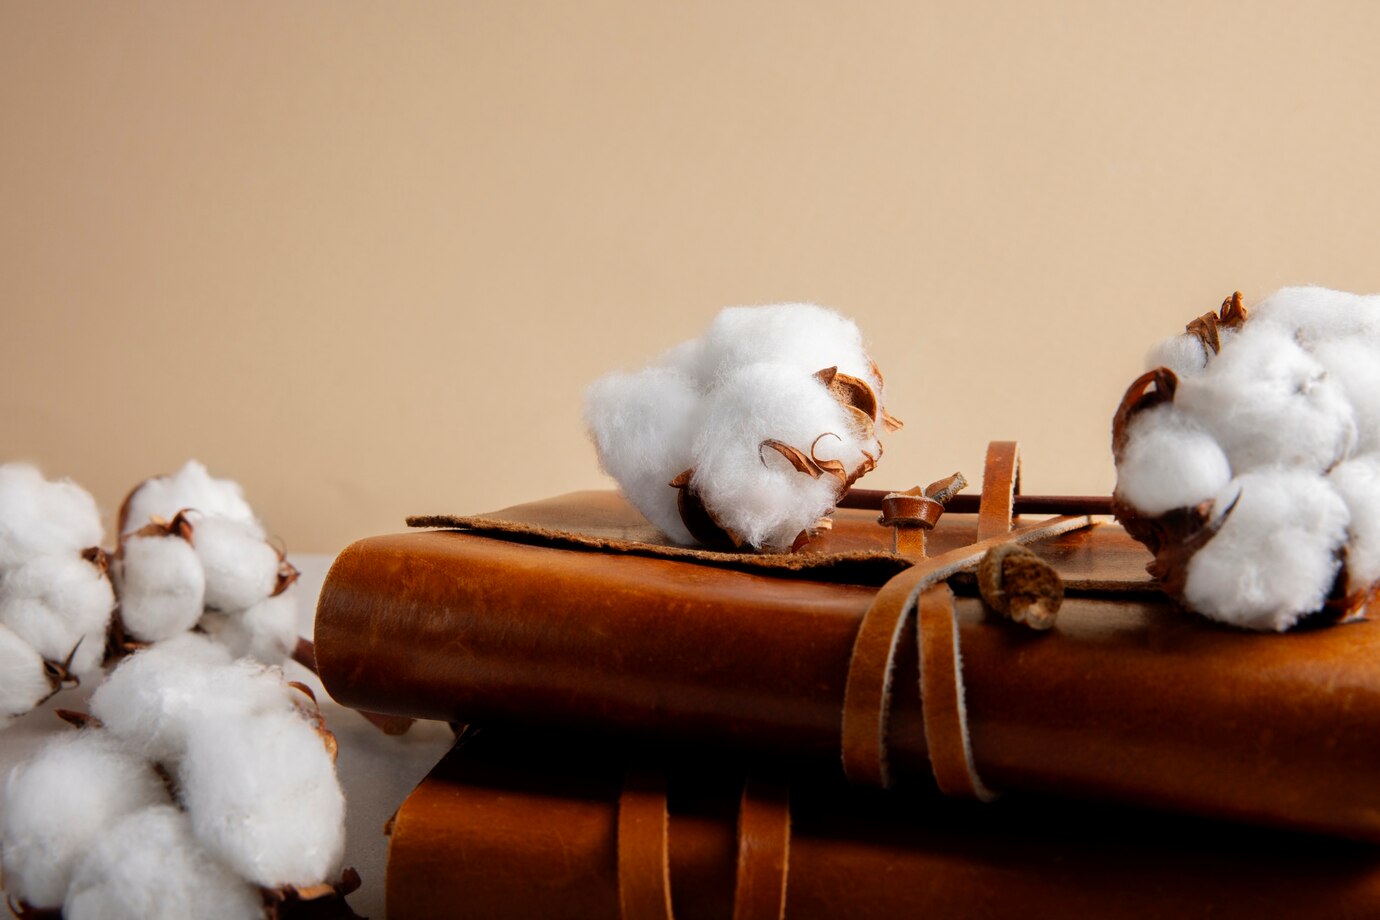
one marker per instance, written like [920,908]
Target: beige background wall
[364,256]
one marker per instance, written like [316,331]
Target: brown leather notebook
[540,828]
[572,613]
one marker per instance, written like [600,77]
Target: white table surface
[376,771]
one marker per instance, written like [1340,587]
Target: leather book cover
[547,827]
[570,614]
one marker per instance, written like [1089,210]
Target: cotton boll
[155,697]
[23,681]
[1313,315]
[38,517]
[1357,481]
[266,632]
[190,487]
[1268,402]
[1276,557]
[241,568]
[1169,462]
[54,601]
[754,492]
[149,866]
[642,425]
[263,797]
[60,802]
[162,586]
[802,335]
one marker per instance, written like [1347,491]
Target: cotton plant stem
[871,500]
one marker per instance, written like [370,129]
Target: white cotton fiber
[1357,481]
[263,797]
[1185,355]
[642,425]
[1313,315]
[162,586]
[1169,462]
[149,866]
[60,802]
[1354,365]
[266,632]
[804,336]
[1277,555]
[755,492]
[54,601]
[241,568]
[23,681]
[190,487]
[1268,402]
[38,517]
[155,698]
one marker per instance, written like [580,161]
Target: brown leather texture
[534,828]
[1125,699]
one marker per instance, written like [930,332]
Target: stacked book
[848,730]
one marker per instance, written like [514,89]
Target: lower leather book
[570,614]
[545,828]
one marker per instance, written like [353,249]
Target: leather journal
[549,826]
[858,650]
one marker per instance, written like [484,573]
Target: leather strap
[942,700]
[867,691]
[1001,482]
[764,848]
[644,862]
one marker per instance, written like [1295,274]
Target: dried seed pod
[1020,585]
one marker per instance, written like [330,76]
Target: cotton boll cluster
[749,435]
[55,593]
[1249,461]
[193,554]
[251,800]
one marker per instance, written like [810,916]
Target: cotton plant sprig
[56,596]
[1248,459]
[201,787]
[749,435]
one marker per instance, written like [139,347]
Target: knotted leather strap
[644,858]
[1001,483]
[764,847]
[867,693]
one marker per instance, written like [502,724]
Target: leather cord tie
[644,865]
[764,850]
[897,606]
[644,857]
